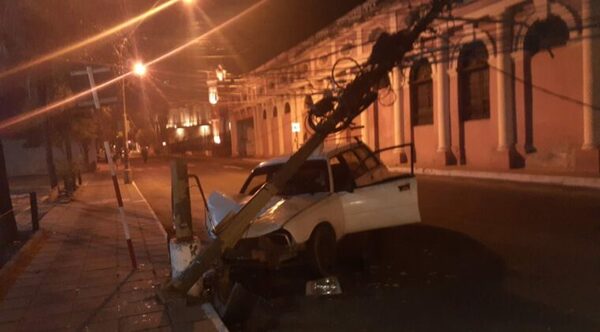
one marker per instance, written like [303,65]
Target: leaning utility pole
[331,114]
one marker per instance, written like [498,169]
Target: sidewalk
[592,182]
[77,275]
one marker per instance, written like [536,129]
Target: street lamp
[139,69]
[188,2]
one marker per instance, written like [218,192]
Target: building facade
[495,85]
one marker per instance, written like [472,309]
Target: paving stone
[96,291]
[15,303]
[9,327]
[16,292]
[90,303]
[81,279]
[105,326]
[49,309]
[143,322]
[12,315]
[45,323]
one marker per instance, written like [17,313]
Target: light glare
[139,69]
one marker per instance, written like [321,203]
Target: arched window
[546,34]
[274,111]
[324,59]
[265,114]
[474,91]
[421,94]
[287,109]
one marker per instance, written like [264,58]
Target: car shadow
[416,278]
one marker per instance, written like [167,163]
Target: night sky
[250,41]
[31,28]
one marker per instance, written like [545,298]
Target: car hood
[278,211]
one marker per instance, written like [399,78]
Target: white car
[336,192]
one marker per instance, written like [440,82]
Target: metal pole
[120,206]
[127,172]
[35,225]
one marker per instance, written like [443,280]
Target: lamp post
[138,69]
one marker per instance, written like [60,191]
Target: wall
[21,161]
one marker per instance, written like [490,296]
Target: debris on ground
[324,286]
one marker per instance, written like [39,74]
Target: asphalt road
[154,180]
[489,256]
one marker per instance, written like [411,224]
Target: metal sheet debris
[324,286]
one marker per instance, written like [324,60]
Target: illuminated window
[474,91]
[421,94]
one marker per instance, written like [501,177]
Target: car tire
[321,250]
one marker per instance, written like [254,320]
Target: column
[591,75]
[397,107]
[441,94]
[456,131]
[364,131]
[280,115]
[293,118]
[269,126]
[234,138]
[258,142]
[503,90]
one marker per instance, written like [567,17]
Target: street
[154,180]
[488,256]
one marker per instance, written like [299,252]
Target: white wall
[21,161]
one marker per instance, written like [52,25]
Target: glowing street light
[139,69]
[188,2]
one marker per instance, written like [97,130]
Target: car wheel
[321,250]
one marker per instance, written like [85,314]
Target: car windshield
[311,178]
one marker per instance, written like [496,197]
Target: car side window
[356,168]
[342,177]
[366,157]
[256,181]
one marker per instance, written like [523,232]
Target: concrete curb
[211,314]
[569,181]
[158,223]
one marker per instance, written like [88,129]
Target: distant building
[510,84]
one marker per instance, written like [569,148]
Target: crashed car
[336,192]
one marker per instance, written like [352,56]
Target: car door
[375,200]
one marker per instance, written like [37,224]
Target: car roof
[322,154]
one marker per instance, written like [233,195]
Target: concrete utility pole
[180,196]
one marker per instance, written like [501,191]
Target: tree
[8,224]
[145,136]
